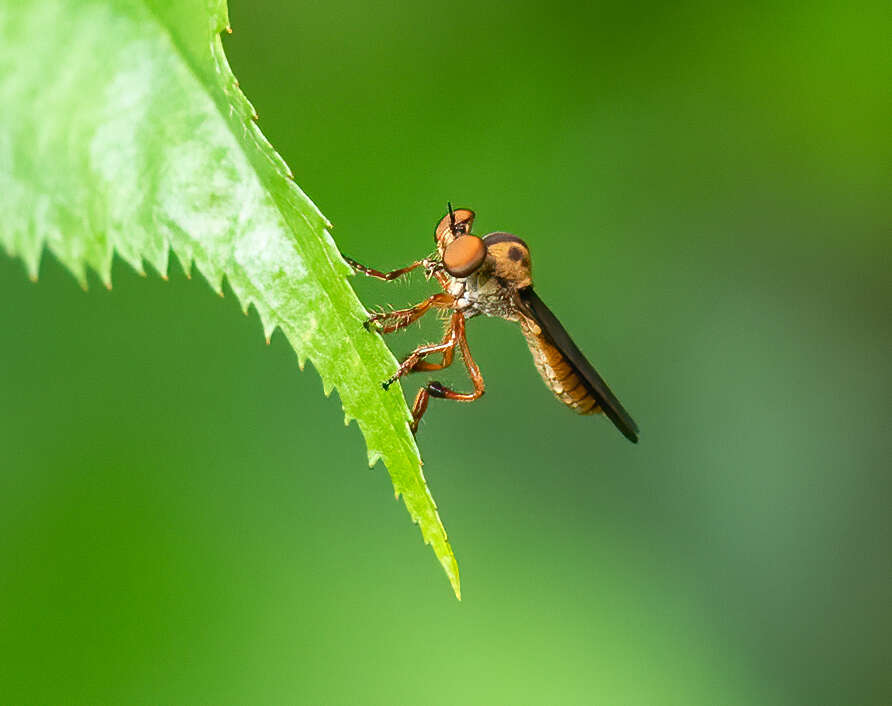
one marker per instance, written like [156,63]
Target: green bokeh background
[184,518]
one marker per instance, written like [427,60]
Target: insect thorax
[483,294]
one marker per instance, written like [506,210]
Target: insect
[492,276]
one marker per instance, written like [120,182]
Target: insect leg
[471,365]
[390,321]
[437,389]
[448,355]
[378,274]
[419,407]
[446,347]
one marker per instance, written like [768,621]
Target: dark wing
[593,382]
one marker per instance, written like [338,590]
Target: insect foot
[436,389]
[372,324]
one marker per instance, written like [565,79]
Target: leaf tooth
[274,157]
[267,324]
[213,274]
[216,282]
[80,273]
[160,261]
[32,265]
[269,328]
[375,456]
[105,276]
[242,296]
[184,257]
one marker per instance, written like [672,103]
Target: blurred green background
[184,518]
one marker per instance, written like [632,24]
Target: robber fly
[492,276]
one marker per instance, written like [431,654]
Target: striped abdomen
[559,374]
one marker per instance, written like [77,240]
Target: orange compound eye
[464,255]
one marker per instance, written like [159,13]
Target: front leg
[378,274]
[390,321]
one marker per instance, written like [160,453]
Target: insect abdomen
[559,375]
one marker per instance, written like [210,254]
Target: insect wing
[593,382]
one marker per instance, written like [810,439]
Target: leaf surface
[122,129]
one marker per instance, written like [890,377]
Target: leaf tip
[450,566]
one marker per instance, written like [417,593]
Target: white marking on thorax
[487,297]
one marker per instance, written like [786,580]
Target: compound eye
[464,255]
[457,222]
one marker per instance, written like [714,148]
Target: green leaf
[122,129]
